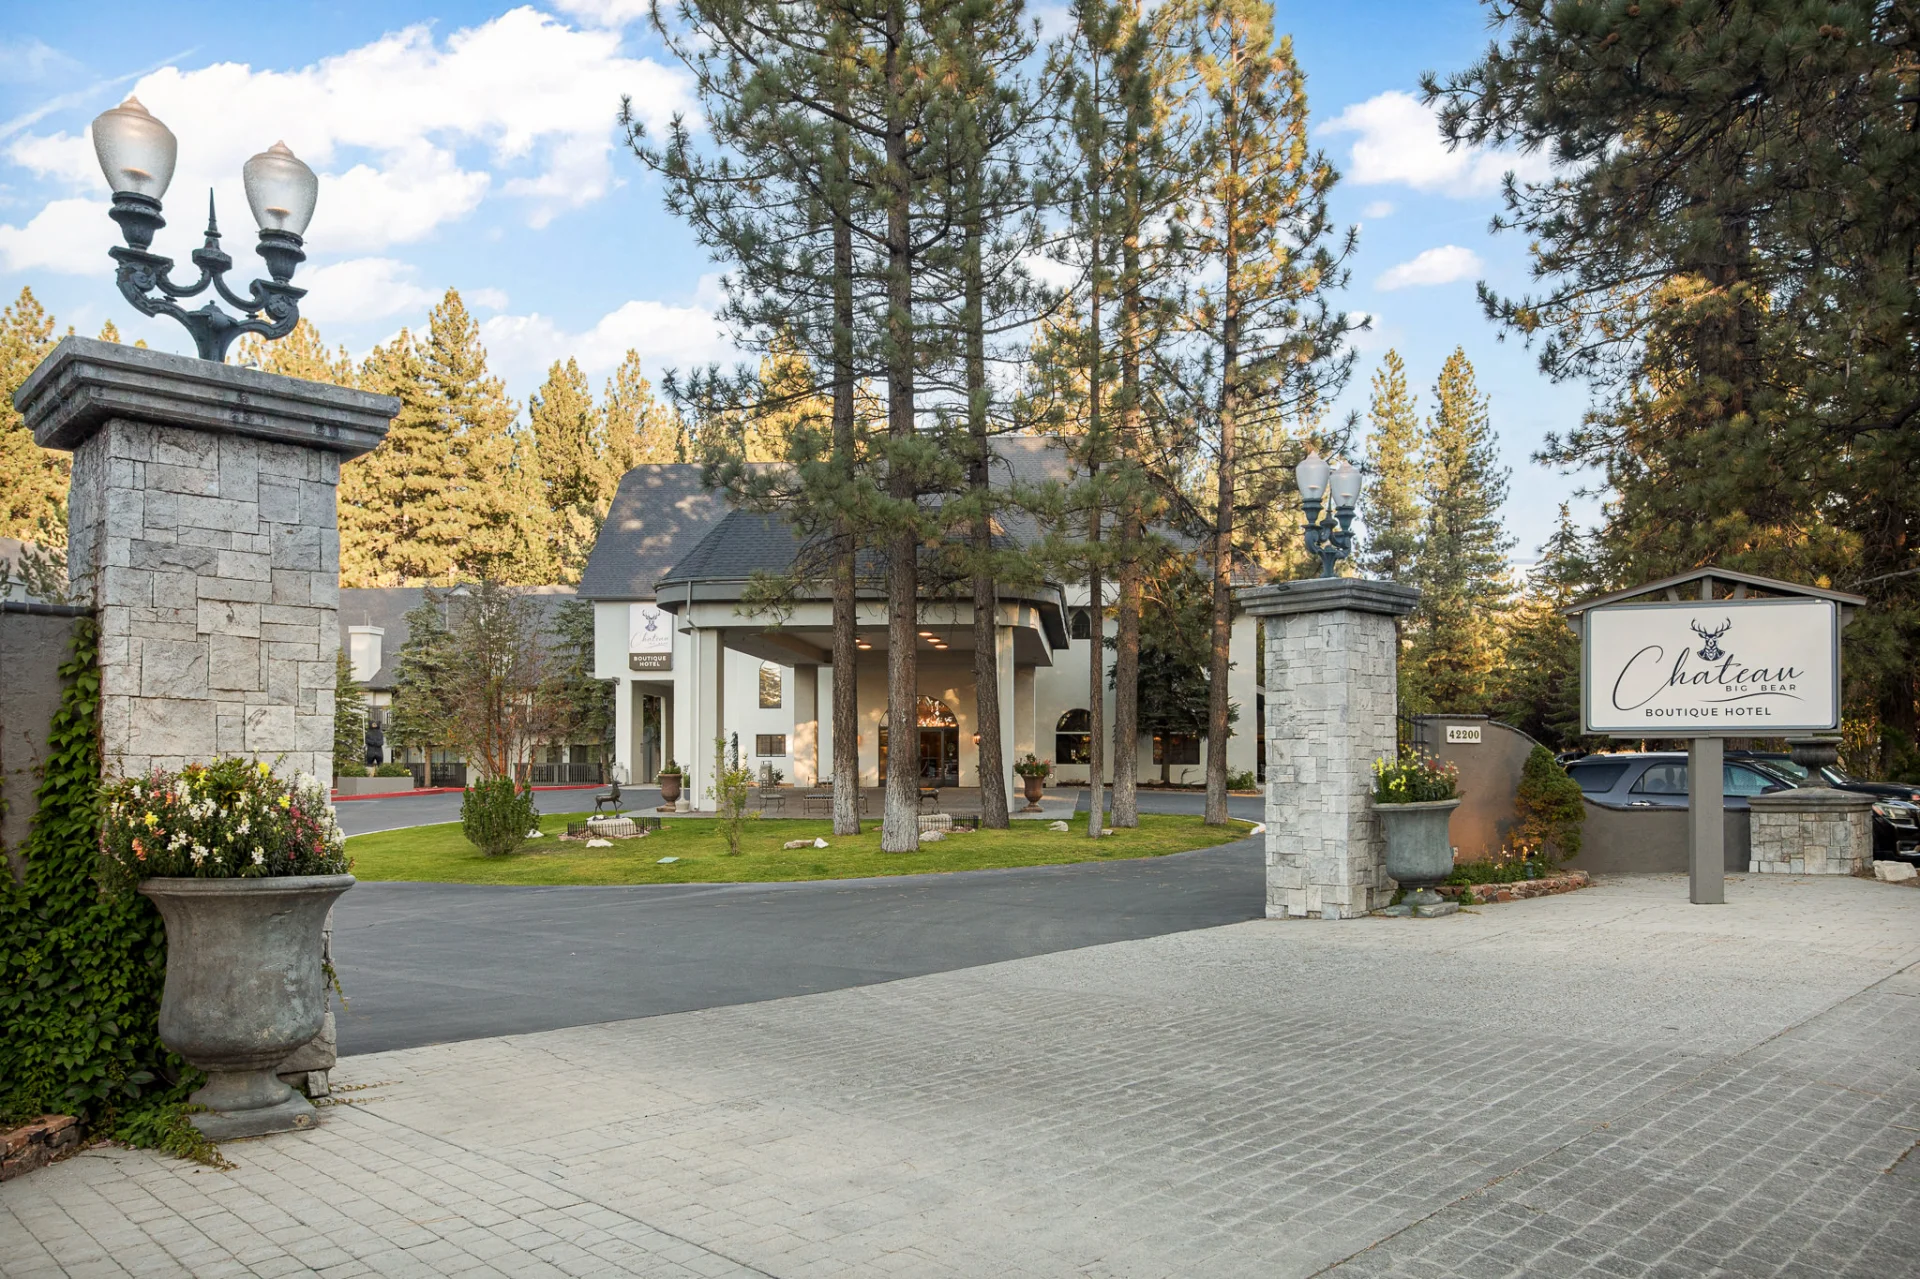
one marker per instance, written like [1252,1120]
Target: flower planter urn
[1419,852]
[669,789]
[244,989]
[1033,790]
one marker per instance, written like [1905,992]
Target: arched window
[769,686]
[1073,738]
[1080,622]
[931,712]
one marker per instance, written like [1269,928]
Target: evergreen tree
[569,435]
[33,480]
[1539,685]
[423,692]
[1462,564]
[300,354]
[582,706]
[1269,345]
[1393,503]
[506,528]
[349,720]
[400,517]
[640,429]
[1725,255]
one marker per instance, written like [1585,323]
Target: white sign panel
[649,638]
[1731,668]
[1463,734]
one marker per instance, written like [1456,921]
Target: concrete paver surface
[1608,1082]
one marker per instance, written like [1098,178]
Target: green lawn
[439,854]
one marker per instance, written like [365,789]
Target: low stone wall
[34,641]
[1815,831]
[37,1144]
[1485,894]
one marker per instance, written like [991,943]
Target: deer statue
[1710,651]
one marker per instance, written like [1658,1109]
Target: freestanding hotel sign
[1677,658]
[1726,668]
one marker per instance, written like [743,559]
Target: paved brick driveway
[1611,1082]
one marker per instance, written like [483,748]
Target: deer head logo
[1710,651]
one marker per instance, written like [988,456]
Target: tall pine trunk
[1126,657]
[986,656]
[1221,658]
[899,829]
[846,617]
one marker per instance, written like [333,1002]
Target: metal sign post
[1655,663]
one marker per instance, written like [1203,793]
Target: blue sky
[473,145]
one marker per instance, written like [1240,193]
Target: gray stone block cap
[1329,594]
[86,382]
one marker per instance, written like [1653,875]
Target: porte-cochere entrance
[937,757]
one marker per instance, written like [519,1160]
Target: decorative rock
[819,843]
[1061,826]
[932,836]
[1565,881]
[36,1144]
[666,861]
[599,843]
[798,843]
[1894,872]
[535,834]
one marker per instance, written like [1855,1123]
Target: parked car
[1658,779]
[1827,775]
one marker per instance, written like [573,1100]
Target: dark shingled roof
[658,514]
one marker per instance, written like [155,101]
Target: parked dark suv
[1658,779]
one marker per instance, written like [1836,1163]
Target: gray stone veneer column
[202,532]
[1815,831]
[1332,652]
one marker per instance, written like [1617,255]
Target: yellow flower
[152,821]
[284,802]
[262,766]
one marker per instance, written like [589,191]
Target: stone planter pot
[1419,853]
[244,989]
[1034,787]
[669,788]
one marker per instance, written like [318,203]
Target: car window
[1796,773]
[1599,777]
[1662,779]
[1737,779]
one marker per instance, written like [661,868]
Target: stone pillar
[1332,656]
[202,534]
[1815,831]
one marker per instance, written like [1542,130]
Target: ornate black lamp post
[137,153]
[1331,538]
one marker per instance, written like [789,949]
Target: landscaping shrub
[732,787]
[1548,806]
[393,768]
[225,820]
[1243,781]
[495,815]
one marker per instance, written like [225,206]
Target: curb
[442,790]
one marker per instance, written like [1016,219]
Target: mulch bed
[1486,894]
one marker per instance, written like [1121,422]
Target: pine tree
[300,354]
[349,720]
[1724,254]
[400,518]
[1393,503]
[506,528]
[569,435]
[1462,563]
[582,706]
[640,429]
[1257,228]
[1539,683]
[423,693]
[33,480]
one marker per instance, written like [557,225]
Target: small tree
[582,706]
[732,786]
[423,692]
[349,720]
[1549,806]
[498,677]
[496,815]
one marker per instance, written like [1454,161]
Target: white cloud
[1378,209]
[1400,142]
[1443,265]
[488,299]
[408,134]
[69,236]
[362,289]
[603,13]
[521,347]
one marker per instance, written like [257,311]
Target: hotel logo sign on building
[1711,669]
[649,638]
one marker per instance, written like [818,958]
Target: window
[1597,778]
[769,687]
[1081,623]
[1737,779]
[1662,779]
[770,744]
[1176,748]
[1073,738]
[931,712]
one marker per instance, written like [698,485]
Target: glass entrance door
[939,757]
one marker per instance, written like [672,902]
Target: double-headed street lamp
[1330,538]
[137,154]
